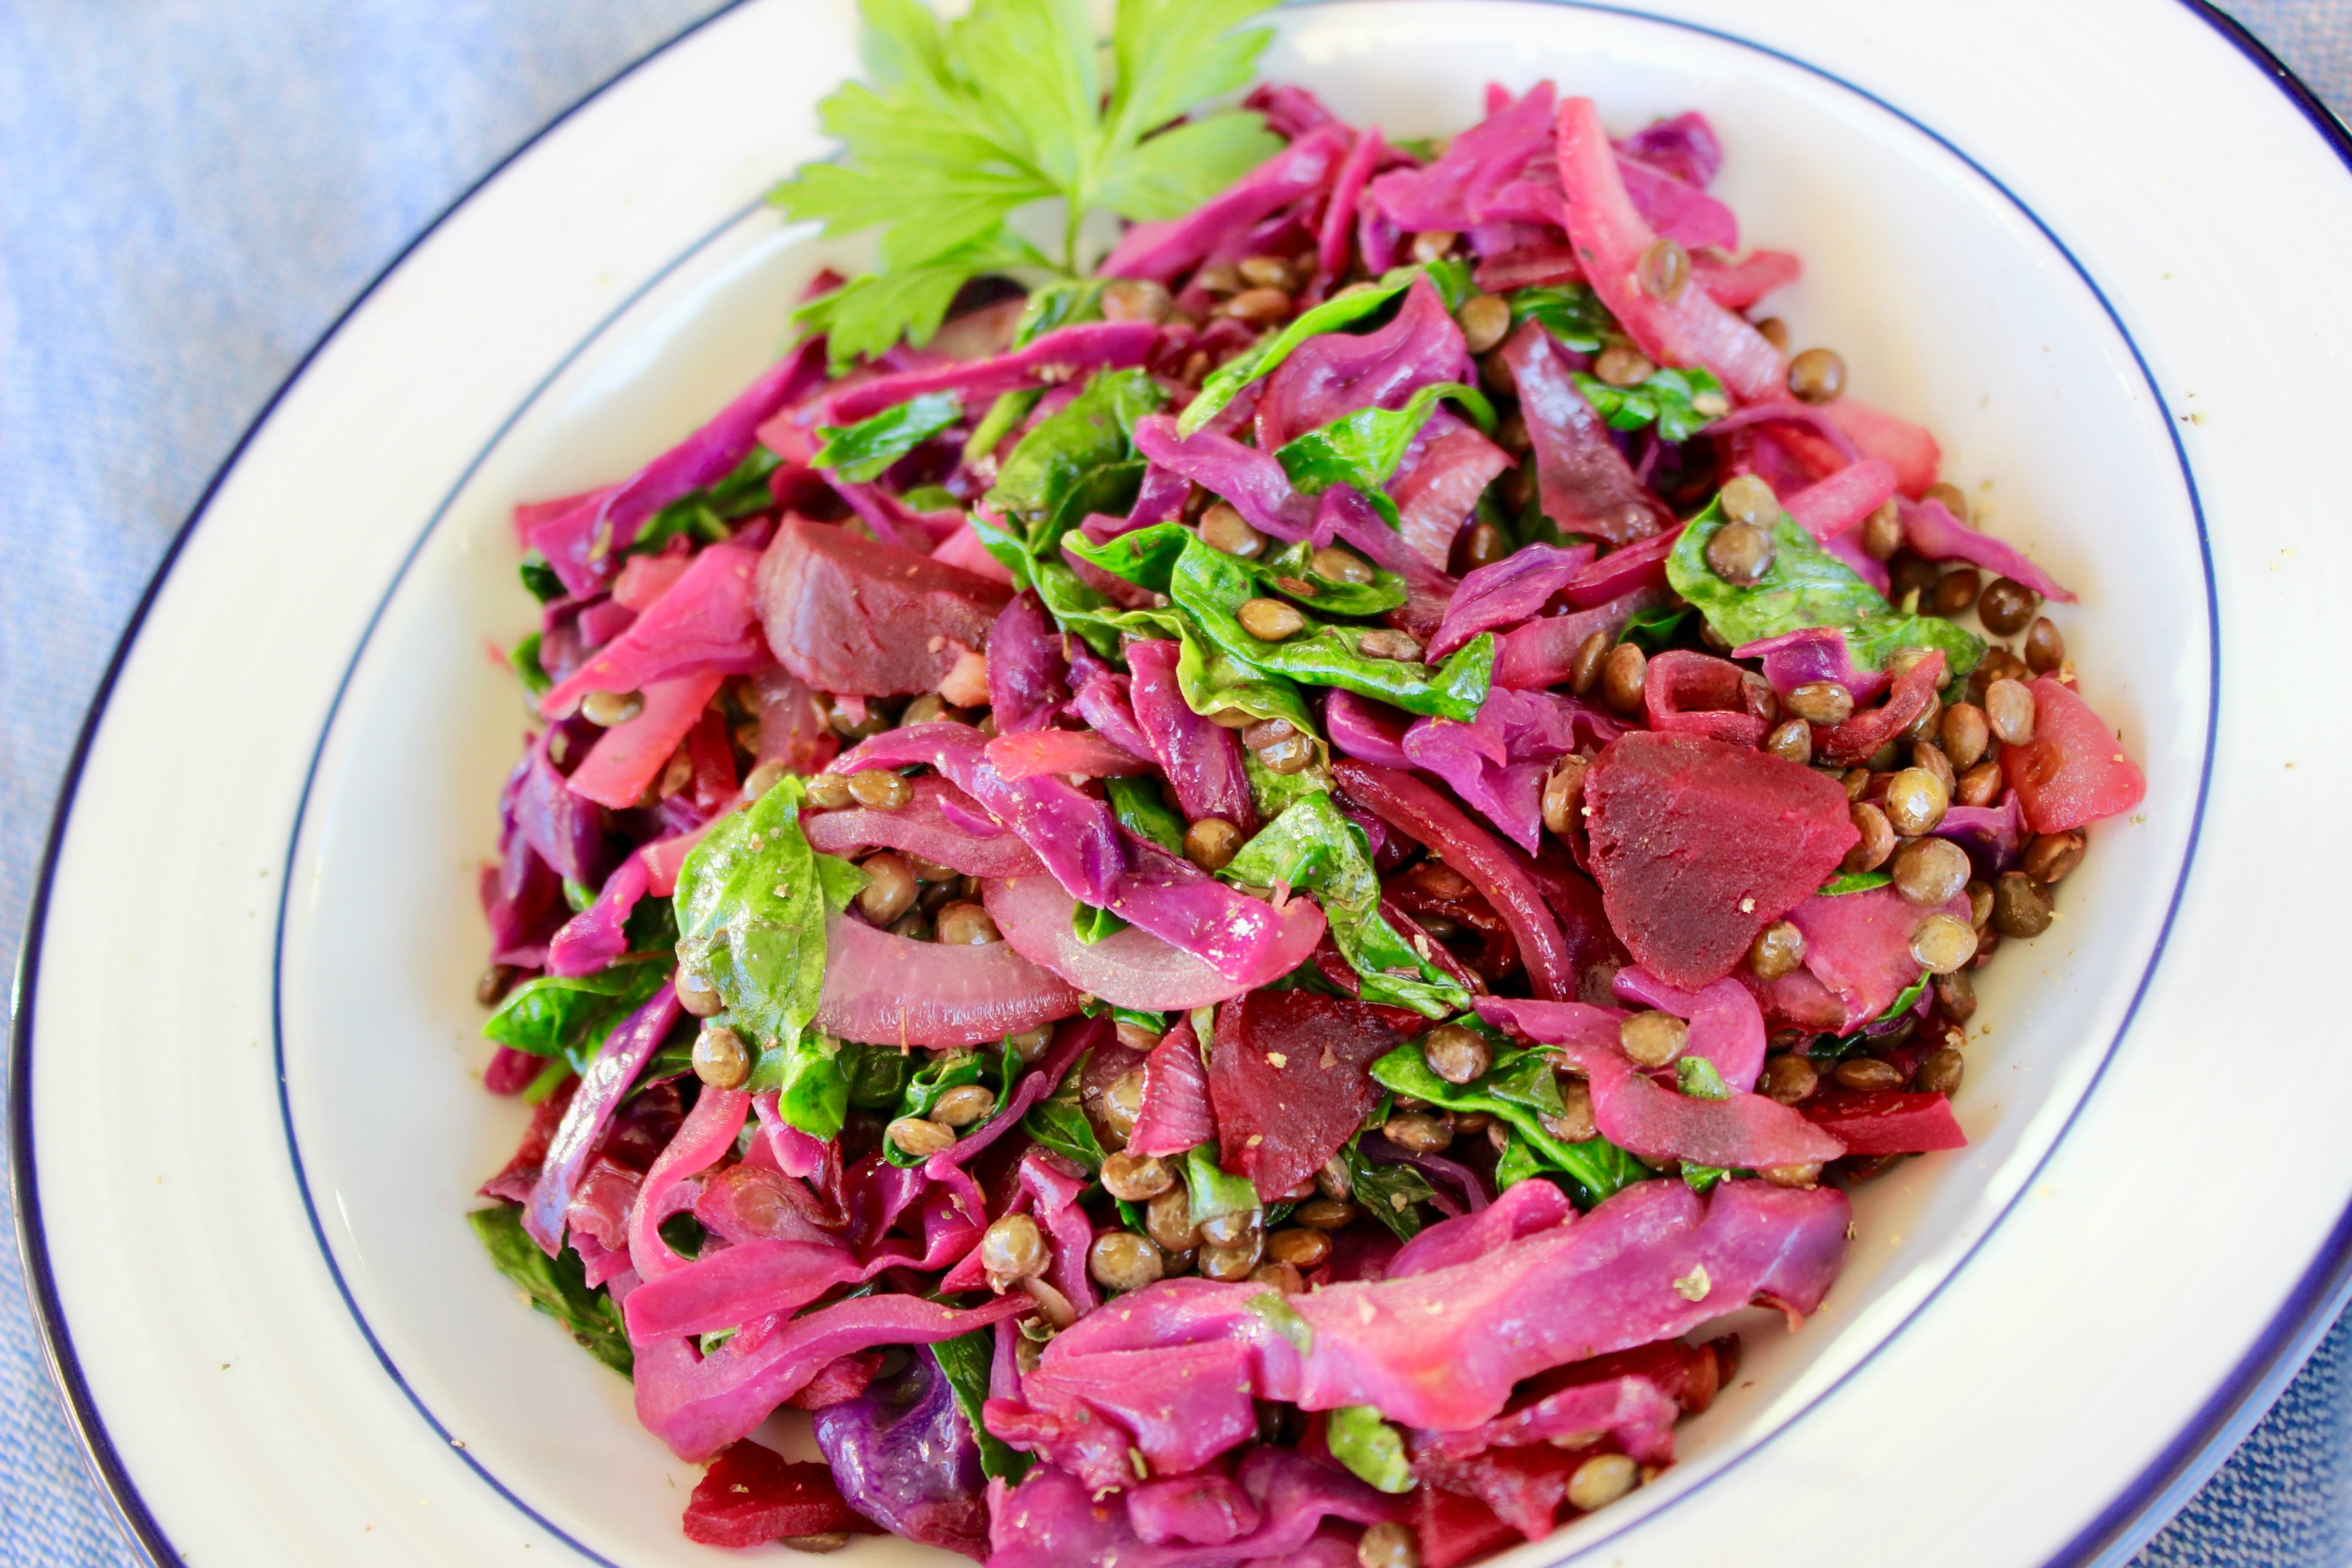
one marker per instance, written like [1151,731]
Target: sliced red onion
[1131,968]
[936,824]
[1931,530]
[893,990]
[1831,507]
[1543,652]
[1690,329]
[1175,1115]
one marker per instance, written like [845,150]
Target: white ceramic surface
[2020,229]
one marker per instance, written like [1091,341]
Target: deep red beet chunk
[848,615]
[1697,845]
[1288,1079]
[1884,1121]
[750,1496]
[1454,1529]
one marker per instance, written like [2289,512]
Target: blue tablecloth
[189,192]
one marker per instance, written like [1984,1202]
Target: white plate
[2094,248]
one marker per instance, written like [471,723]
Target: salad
[1282,807]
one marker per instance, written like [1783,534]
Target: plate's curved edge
[1583,1551]
[2200,1450]
[137,1522]
[2126,1524]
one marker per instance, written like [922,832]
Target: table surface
[189,193]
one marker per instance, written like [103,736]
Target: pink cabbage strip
[1745,1130]
[1339,213]
[1689,329]
[1929,527]
[707,1137]
[1159,251]
[1367,731]
[591,940]
[1542,652]
[1061,752]
[925,828]
[1726,1025]
[1524,1210]
[1631,1409]
[625,1051]
[1057,355]
[888,989]
[584,545]
[738,1284]
[1498,761]
[1859,945]
[1810,654]
[1833,505]
[1176,1114]
[1337,374]
[1911,451]
[1679,211]
[892,521]
[1028,674]
[1106,705]
[699,1404]
[1443,1350]
[626,758]
[1202,760]
[1506,592]
[1053,1520]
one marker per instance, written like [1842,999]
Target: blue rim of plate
[2138,1511]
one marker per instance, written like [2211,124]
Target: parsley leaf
[968,123]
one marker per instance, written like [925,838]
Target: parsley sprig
[971,122]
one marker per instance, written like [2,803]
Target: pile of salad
[1214,894]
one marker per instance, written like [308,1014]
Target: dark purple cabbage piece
[1028,679]
[904,1456]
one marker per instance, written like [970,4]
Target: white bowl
[248,1113]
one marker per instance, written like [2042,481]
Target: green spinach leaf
[1312,847]
[1137,803]
[524,662]
[540,578]
[1391,1195]
[753,901]
[1806,585]
[554,1015]
[876,1076]
[1514,1090]
[966,1362]
[556,1285]
[1362,449]
[1212,1193]
[1212,586]
[1853,882]
[1678,402]
[1571,312]
[861,452]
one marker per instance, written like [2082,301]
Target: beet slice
[847,614]
[1698,845]
[1288,1079]
[1454,1529]
[1522,1487]
[1884,1121]
[750,1496]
